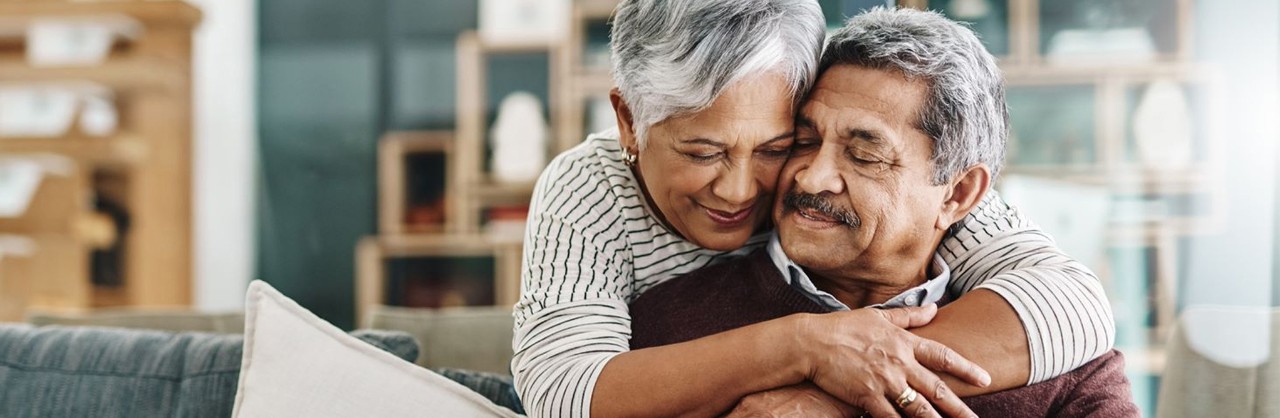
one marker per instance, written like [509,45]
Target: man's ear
[626,126]
[965,192]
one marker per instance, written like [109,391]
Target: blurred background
[161,154]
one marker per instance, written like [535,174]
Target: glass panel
[988,18]
[440,282]
[1052,126]
[1125,30]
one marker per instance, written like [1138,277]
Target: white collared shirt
[933,290]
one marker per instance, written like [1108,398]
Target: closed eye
[702,158]
[775,152]
[807,142]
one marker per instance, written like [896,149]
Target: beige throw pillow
[296,364]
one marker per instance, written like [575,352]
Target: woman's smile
[728,219]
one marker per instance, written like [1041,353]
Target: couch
[83,371]
[129,363]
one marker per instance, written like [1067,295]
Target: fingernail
[986,379]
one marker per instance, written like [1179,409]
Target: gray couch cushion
[107,372]
[471,338]
[159,320]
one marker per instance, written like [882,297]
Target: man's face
[856,198]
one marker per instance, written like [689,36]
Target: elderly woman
[706,95]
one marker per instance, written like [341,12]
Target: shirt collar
[931,291]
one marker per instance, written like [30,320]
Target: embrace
[788,224]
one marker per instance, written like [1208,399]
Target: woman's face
[712,174]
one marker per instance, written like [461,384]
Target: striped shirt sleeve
[572,315]
[1060,302]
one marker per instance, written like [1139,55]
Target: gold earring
[628,158]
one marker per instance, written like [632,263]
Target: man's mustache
[799,200]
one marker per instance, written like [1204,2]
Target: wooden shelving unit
[474,185]
[114,151]
[372,254]
[147,162]
[394,149]
[470,189]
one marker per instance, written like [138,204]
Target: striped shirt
[592,246]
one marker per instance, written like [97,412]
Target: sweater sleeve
[1102,392]
[1060,302]
[575,280]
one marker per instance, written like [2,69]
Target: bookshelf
[144,167]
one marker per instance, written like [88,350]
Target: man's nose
[736,186]
[821,174]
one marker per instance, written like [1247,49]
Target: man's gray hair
[965,112]
[674,57]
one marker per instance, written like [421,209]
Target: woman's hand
[866,358]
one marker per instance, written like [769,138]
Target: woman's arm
[977,326]
[983,328]
[1040,313]
[1018,292]
[853,355]
[571,318]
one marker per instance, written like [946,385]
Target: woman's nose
[736,186]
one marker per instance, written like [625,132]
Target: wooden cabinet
[144,167]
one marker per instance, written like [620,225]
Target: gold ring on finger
[906,398]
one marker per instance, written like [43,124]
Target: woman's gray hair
[965,112]
[674,57]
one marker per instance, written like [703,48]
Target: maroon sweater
[750,289]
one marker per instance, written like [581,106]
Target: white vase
[519,139]
[1162,128]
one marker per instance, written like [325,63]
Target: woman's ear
[626,127]
[965,192]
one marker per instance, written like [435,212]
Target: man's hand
[866,358]
[798,401]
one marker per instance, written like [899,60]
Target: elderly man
[898,142]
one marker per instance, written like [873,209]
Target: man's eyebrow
[868,135]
